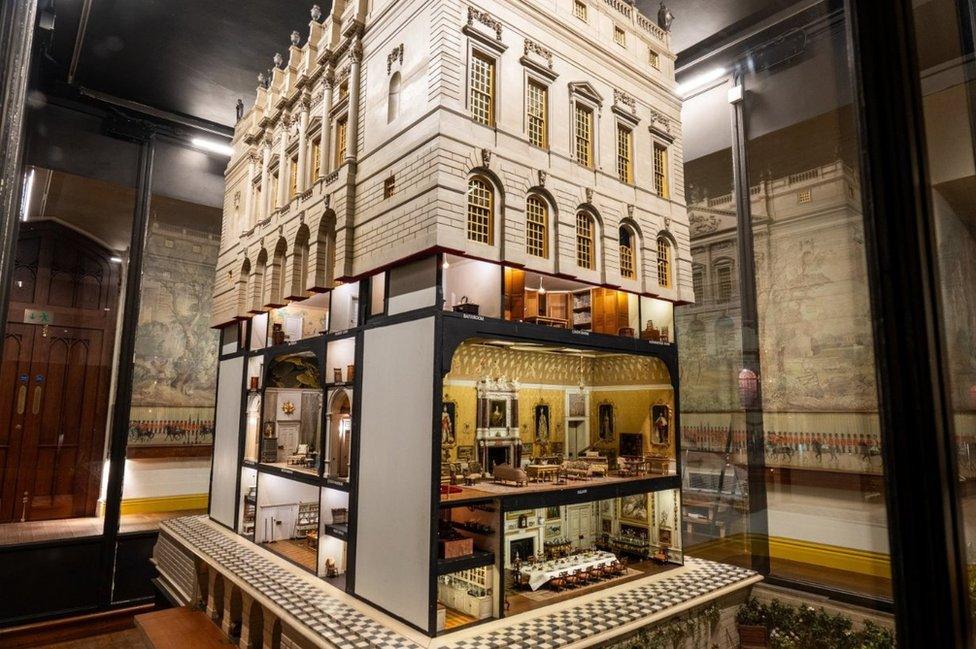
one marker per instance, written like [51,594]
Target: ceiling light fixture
[115,260]
[212,146]
[542,289]
[25,199]
[700,81]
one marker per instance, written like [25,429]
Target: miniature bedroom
[520,417]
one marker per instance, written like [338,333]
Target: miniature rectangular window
[480,210]
[661,170]
[293,176]
[536,231]
[343,90]
[619,36]
[482,89]
[584,135]
[389,187]
[724,277]
[537,100]
[316,158]
[627,259]
[340,138]
[663,263]
[625,146]
[654,59]
[584,241]
[698,283]
[579,10]
[274,191]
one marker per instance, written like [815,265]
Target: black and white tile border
[347,628]
[336,622]
[578,623]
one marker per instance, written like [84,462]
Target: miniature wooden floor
[296,550]
[489,489]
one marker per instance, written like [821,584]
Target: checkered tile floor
[339,624]
[346,628]
[575,624]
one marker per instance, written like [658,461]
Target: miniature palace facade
[453,237]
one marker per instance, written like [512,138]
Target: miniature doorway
[340,433]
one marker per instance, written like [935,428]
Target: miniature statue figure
[240,109]
[316,13]
[661,426]
[262,80]
[296,38]
[447,428]
[664,17]
[278,60]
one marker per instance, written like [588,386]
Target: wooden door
[514,291]
[15,378]
[52,463]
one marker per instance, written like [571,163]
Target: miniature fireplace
[497,432]
[521,548]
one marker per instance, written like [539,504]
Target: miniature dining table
[540,573]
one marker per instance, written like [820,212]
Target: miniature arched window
[393,100]
[585,240]
[664,272]
[536,226]
[256,280]
[481,207]
[628,252]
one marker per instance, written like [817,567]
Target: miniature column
[352,140]
[283,165]
[265,208]
[302,145]
[328,79]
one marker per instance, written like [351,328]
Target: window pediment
[585,90]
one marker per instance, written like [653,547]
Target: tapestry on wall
[175,368]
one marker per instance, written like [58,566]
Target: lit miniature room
[467,536]
[287,519]
[340,357]
[292,414]
[555,553]
[333,537]
[522,417]
[299,320]
[248,506]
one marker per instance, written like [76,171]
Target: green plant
[806,627]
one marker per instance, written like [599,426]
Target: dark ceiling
[196,57]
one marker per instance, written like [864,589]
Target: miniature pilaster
[265,208]
[328,80]
[356,58]
[302,145]
[249,219]
[283,166]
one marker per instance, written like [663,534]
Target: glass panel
[824,485]
[945,51]
[171,420]
[62,327]
[714,485]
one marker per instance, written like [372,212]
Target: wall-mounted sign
[38,317]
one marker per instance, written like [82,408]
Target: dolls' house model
[453,237]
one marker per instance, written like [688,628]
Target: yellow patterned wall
[632,408]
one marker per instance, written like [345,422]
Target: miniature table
[540,573]
[542,472]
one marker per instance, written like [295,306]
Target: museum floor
[75,528]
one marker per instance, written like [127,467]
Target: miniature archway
[255,626]
[236,612]
[218,598]
[275,281]
[241,288]
[340,430]
[256,283]
[322,255]
[298,266]
[393,100]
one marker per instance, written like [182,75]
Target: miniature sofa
[508,473]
